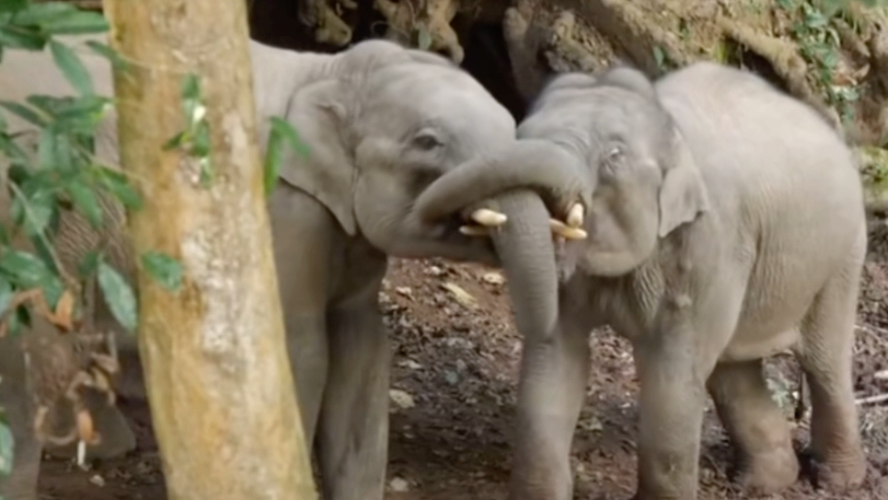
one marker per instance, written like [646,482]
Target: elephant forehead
[410,95]
[595,114]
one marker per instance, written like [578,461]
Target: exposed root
[425,22]
[325,16]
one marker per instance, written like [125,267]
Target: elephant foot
[769,472]
[840,476]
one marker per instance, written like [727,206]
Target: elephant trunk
[515,184]
[526,252]
[535,164]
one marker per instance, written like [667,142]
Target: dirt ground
[455,366]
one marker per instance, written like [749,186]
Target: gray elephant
[382,122]
[726,224]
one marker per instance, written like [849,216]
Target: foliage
[58,171]
[819,41]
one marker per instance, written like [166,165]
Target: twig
[879,398]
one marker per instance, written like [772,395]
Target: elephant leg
[825,355]
[17,405]
[353,431]
[305,240]
[671,400]
[551,391]
[309,356]
[759,431]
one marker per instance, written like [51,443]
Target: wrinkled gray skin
[381,122]
[726,225]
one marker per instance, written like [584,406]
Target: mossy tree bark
[219,384]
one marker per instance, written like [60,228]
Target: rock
[399,485]
[493,278]
[409,363]
[405,291]
[97,480]
[463,297]
[401,399]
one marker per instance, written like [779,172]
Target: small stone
[493,278]
[460,365]
[410,364]
[463,297]
[435,271]
[399,485]
[401,399]
[97,480]
[451,377]
[404,290]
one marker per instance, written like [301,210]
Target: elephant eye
[614,153]
[612,159]
[426,141]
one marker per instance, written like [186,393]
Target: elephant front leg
[550,396]
[670,418]
[16,402]
[353,428]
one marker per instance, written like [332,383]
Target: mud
[455,354]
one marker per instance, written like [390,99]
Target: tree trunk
[219,384]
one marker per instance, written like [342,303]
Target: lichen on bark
[219,384]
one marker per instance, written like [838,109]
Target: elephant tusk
[575,216]
[474,230]
[488,217]
[570,233]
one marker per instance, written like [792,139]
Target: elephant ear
[683,194]
[327,172]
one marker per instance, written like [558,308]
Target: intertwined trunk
[219,383]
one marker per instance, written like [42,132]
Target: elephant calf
[726,224]
[381,123]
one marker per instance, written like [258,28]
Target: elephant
[381,122]
[726,224]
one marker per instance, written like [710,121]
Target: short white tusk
[575,216]
[488,217]
[570,233]
[474,230]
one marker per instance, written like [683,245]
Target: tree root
[325,17]
[428,21]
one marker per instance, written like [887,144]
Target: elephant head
[638,183]
[381,123]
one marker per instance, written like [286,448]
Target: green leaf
[76,22]
[119,296]
[24,112]
[7,448]
[273,157]
[163,268]
[89,264]
[43,12]
[17,37]
[35,211]
[72,67]
[117,184]
[6,294]
[86,201]
[284,128]
[12,5]
[423,38]
[28,271]
[191,89]
[107,52]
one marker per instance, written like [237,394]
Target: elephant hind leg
[758,430]
[825,355]
[353,428]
